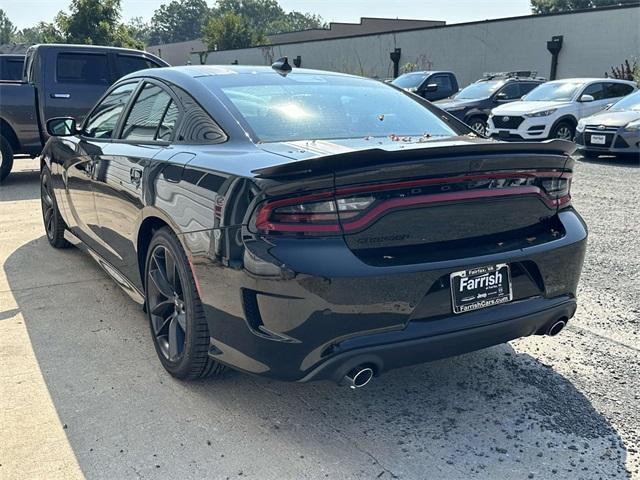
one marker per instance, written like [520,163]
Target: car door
[121,183]
[79,169]
[597,91]
[76,81]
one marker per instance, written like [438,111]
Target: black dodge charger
[307,225]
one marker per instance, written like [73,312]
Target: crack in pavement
[603,337]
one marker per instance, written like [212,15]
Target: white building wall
[593,42]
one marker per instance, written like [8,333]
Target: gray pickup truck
[58,81]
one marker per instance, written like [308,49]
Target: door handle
[135,175]
[60,95]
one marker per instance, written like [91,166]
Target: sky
[25,13]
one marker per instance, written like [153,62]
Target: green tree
[555,6]
[230,30]
[7,28]
[178,21]
[295,21]
[139,30]
[95,22]
[42,32]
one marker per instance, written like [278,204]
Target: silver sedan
[612,131]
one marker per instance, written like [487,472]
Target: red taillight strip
[383,207]
[444,180]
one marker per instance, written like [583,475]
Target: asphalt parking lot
[83,394]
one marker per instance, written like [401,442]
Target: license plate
[480,287]
[598,139]
[503,134]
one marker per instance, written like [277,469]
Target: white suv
[553,109]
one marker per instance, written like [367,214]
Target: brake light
[353,208]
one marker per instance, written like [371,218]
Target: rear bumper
[414,349]
[300,310]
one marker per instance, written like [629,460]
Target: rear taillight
[303,216]
[354,208]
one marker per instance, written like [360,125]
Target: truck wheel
[6,158]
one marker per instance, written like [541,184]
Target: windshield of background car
[554,92]
[478,91]
[409,80]
[630,102]
[321,107]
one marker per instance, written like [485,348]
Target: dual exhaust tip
[360,376]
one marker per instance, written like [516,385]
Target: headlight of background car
[633,126]
[582,124]
[542,113]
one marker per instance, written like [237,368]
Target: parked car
[553,109]
[306,225]
[11,66]
[615,130]
[431,86]
[474,103]
[59,80]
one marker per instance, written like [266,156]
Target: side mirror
[61,127]
[432,87]
[522,97]
[587,98]
[502,96]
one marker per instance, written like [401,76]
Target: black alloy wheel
[53,223]
[176,316]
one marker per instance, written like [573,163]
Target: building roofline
[435,27]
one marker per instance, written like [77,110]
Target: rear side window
[84,68]
[147,113]
[596,90]
[613,90]
[197,127]
[131,63]
[11,69]
[104,118]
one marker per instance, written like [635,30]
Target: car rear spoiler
[373,156]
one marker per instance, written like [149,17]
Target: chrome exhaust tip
[358,377]
[556,328]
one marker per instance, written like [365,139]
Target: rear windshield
[321,107]
[554,92]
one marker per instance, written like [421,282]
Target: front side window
[554,92]
[83,68]
[321,107]
[596,90]
[104,118]
[526,87]
[443,82]
[511,91]
[147,114]
[410,80]
[614,90]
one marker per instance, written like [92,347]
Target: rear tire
[54,225]
[564,130]
[176,316]
[6,158]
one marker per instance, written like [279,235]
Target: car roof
[426,72]
[174,74]
[591,80]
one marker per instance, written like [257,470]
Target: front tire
[564,131]
[6,158]
[479,125]
[54,225]
[176,317]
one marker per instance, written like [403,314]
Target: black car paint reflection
[304,307]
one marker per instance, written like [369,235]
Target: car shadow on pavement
[490,414]
[22,185]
